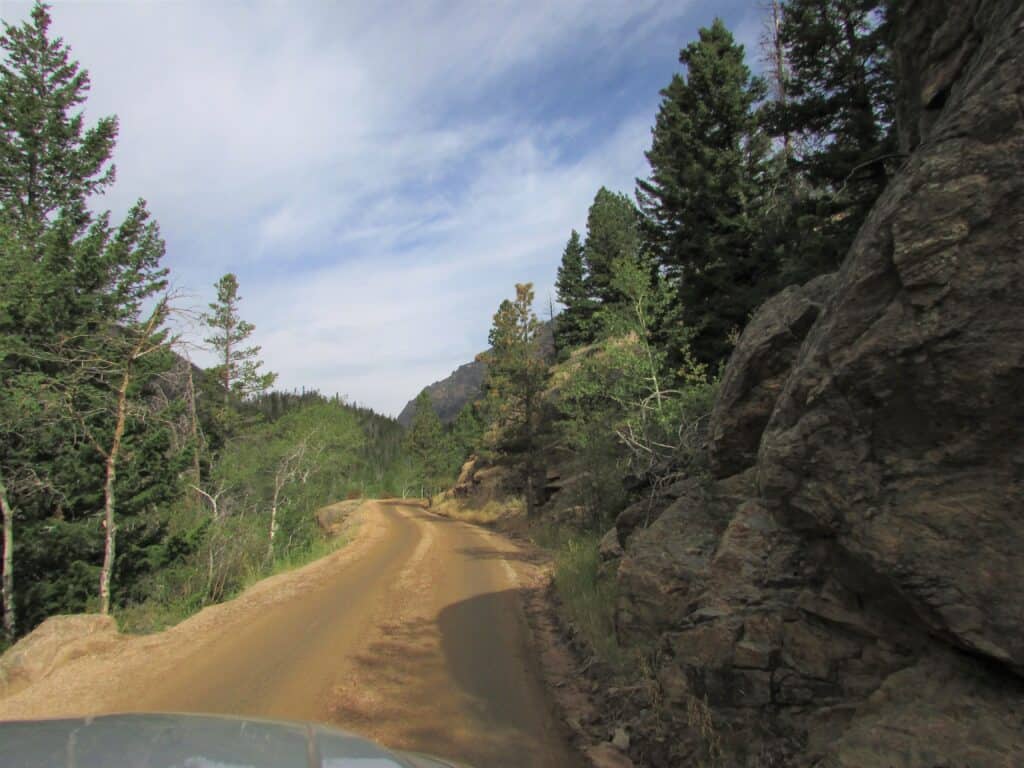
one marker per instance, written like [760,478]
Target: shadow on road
[459,686]
[489,553]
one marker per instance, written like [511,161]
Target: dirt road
[412,635]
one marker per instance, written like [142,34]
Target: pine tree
[466,433]
[116,351]
[838,104]
[612,233]
[49,163]
[515,379]
[574,324]
[70,298]
[428,445]
[702,199]
[238,370]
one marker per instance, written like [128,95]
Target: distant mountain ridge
[449,395]
[465,384]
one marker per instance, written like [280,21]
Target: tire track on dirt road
[412,635]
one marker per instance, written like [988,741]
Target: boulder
[52,644]
[467,478]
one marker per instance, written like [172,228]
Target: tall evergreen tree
[49,162]
[238,367]
[702,199]
[516,372]
[838,105]
[612,233]
[428,445]
[68,303]
[574,326]
[466,432]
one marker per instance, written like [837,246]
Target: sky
[378,175]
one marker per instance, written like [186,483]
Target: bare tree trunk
[531,465]
[273,530]
[228,330]
[638,308]
[775,52]
[212,498]
[108,493]
[209,574]
[8,564]
[196,468]
[279,482]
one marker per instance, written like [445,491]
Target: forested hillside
[756,183]
[131,481]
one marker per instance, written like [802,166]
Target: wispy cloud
[378,175]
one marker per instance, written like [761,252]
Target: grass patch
[296,557]
[153,616]
[481,512]
[588,592]
[156,615]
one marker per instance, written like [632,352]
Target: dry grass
[479,511]
[698,716]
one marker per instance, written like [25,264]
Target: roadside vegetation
[588,592]
[755,183]
[133,482]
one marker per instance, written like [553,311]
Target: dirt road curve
[412,635]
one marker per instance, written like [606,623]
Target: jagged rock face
[943,711]
[854,597]
[756,372]
[900,431]
[666,564]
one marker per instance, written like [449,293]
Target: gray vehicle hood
[191,741]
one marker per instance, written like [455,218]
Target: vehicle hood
[192,741]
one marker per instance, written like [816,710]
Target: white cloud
[357,165]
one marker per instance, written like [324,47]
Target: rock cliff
[846,589]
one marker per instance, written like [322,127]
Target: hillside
[464,385]
[449,395]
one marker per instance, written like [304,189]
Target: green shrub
[588,593]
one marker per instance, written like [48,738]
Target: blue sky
[378,175]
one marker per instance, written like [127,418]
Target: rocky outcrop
[847,588]
[481,481]
[899,429]
[760,364]
[666,562]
